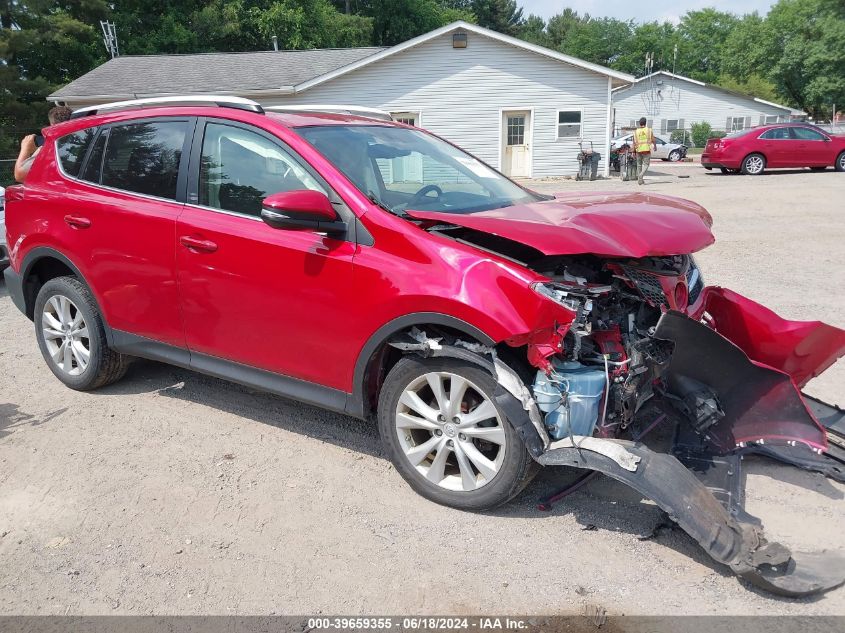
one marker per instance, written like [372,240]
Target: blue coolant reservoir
[583,387]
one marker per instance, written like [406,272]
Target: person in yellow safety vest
[643,146]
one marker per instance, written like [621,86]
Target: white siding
[679,99]
[459,94]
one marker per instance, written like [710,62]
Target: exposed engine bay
[610,345]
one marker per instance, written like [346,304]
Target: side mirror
[301,209]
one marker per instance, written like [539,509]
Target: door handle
[196,244]
[77,222]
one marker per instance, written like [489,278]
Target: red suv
[773,146]
[372,268]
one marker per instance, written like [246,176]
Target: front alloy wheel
[447,436]
[450,431]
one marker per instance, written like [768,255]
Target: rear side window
[71,150]
[776,134]
[91,173]
[144,157]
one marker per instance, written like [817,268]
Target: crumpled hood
[608,224]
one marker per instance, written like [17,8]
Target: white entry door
[516,133]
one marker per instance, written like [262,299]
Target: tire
[476,474]
[65,310]
[753,165]
[839,165]
[675,156]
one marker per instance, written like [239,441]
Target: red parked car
[774,146]
[372,268]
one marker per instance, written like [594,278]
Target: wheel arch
[42,264]
[377,357]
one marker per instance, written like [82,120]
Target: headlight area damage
[722,370]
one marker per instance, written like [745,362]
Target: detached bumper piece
[730,406]
[720,526]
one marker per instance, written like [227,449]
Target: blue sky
[642,10]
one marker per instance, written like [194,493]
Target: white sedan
[664,151]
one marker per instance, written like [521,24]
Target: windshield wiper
[381,205]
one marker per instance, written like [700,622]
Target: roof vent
[459,40]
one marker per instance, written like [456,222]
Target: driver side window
[240,168]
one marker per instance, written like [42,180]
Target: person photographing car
[643,145]
[31,144]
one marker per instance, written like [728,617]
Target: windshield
[401,169]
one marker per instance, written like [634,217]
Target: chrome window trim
[236,214]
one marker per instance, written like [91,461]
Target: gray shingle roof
[142,75]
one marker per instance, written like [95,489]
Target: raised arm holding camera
[31,144]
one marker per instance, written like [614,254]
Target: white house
[519,107]
[672,102]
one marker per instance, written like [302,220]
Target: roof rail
[371,113]
[238,103]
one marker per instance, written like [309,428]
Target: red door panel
[812,148]
[269,298]
[123,245]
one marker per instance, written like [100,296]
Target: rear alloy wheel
[840,162]
[71,336]
[447,436]
[675,156]
[753,165]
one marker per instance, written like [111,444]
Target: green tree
[806,57]
[598,40]
[503,16]
[43,44]
[753,85]
[396,21]
[562,25]
[702,36]
[534,30]
[657,38]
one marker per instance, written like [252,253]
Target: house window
[736,123]
[516,130]
[568,123]
[773,118]
[408,118]
[672,125]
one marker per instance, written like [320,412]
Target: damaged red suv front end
[642,333]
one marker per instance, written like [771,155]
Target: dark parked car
[773,146]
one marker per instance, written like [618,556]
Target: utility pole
[110,38]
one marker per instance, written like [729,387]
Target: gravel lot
[174,493]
